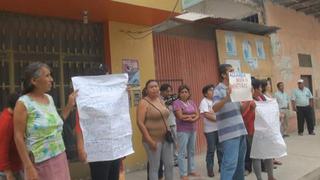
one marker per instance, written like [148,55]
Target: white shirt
[206,106]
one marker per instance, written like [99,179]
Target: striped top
[229,119]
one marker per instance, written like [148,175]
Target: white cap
[300,81]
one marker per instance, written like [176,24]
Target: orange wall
[298,34]
[166,5]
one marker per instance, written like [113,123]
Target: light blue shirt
[282,99]
[301,97]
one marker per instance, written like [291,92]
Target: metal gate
[69,47]
[192,60]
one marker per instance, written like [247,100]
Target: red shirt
[248,116]
[9,157]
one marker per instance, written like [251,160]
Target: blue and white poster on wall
[231,47]
[246,50]
[260,49]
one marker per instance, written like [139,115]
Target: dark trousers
[213,145]
[305,113]
[248,160]
[105,170]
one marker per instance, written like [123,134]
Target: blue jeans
[233,159]
[212,145]
[186,143]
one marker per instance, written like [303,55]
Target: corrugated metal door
[194,61]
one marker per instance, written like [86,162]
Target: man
[302,103]
[231,129]
[283,101]
[169,97]
[210,128]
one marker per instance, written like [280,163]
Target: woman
[10,162]
[187,114]
[210,128]
[266,90]
[259,95]
[38,127]
[152,117]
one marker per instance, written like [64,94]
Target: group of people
[31,129]
[228,127]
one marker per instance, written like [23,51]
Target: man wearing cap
[302,103]
[283,101]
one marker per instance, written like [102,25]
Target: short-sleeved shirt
[206,106]
[188,107]
[282,99]
[301,97]
[43,129]
[229,119]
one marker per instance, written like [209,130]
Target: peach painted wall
[124,47]
[299,33]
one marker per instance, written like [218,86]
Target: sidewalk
[302,162]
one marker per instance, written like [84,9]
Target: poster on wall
[131,67]
[241,86]
[246,50]
[253,63]
[235,64]
[260,49]
[231,47]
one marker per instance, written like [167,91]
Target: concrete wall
[231,9]
[124,47]
[298,34]
[264,69]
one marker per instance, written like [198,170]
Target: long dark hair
[32,71]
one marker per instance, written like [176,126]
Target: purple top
[187,108]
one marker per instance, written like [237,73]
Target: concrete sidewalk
[302,162]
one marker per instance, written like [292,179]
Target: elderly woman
[152,117]
[187,114]
[38,127]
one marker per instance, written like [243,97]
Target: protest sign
[240,84]
[267,140]
[103,109]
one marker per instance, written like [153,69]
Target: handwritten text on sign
[240,84]
[103,109]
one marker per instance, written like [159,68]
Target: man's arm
[219,105]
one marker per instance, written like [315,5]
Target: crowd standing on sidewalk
[32,147]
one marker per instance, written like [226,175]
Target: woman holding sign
[152,115]
[38,127]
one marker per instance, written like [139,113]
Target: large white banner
[103,108]
[267,140]
[240,84]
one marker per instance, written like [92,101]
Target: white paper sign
[103,108]
[241,86]
[267,140]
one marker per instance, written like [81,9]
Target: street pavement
[302,162]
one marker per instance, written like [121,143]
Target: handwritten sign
[241,86]
[103,109]
[267,140]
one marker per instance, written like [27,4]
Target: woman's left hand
[72,99]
